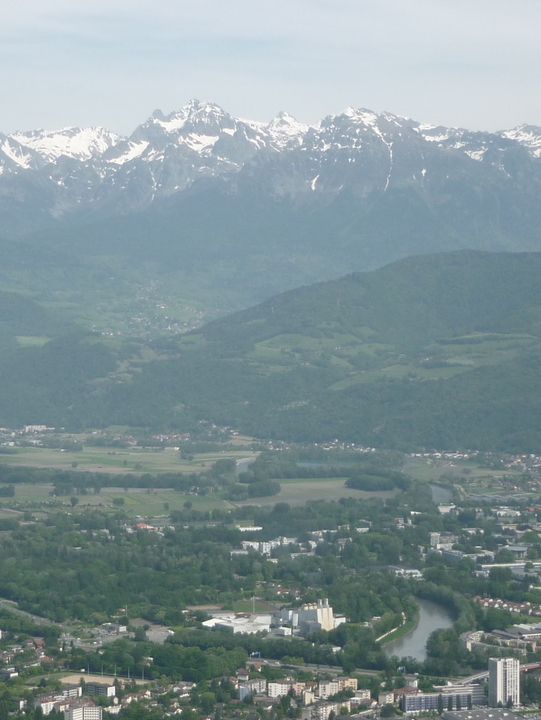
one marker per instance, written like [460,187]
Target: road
[12,607]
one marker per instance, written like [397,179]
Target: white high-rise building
[503,681]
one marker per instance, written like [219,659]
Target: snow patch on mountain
[527,135]
[16,154]
[76,143]
[200,143]
[134,150]
[476,154]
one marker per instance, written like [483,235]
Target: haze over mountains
[201,213]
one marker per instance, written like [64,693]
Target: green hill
[434,351]
[25,322]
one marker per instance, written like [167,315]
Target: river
[432,616]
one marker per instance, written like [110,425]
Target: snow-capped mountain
[224,211]
[75,143]
[527,135]
[357,151]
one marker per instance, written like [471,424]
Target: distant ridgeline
[439,351]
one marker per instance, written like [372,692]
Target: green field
[135,501]
[153,502]
[299,491]
[118,460]
[431,470]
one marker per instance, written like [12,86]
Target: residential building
[323,710]
[252,687]
[456,697]
[83,711]
[326,689]
[477,714]
[503,681]
[386,697]
[361,697]
[278,689]
[103,689]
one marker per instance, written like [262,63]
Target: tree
[207,701]
[74,501]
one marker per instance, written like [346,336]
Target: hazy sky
[475,63]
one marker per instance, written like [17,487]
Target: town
[418,601]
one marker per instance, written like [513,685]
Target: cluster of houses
[319,699]
[88,701]
[268,548]
[70,702]
[519,608]
[323,697]
[20,656]
[264,547]
[515,528]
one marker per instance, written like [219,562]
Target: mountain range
[198,213]
[76,169]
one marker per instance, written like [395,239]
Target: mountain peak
[285,129]
[361,115]
[286,121]
[193,116]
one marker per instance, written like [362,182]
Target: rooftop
[481,714]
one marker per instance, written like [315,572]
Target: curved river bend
[432,616]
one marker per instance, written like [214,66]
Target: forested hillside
[437,351]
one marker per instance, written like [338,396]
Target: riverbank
[408,625]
